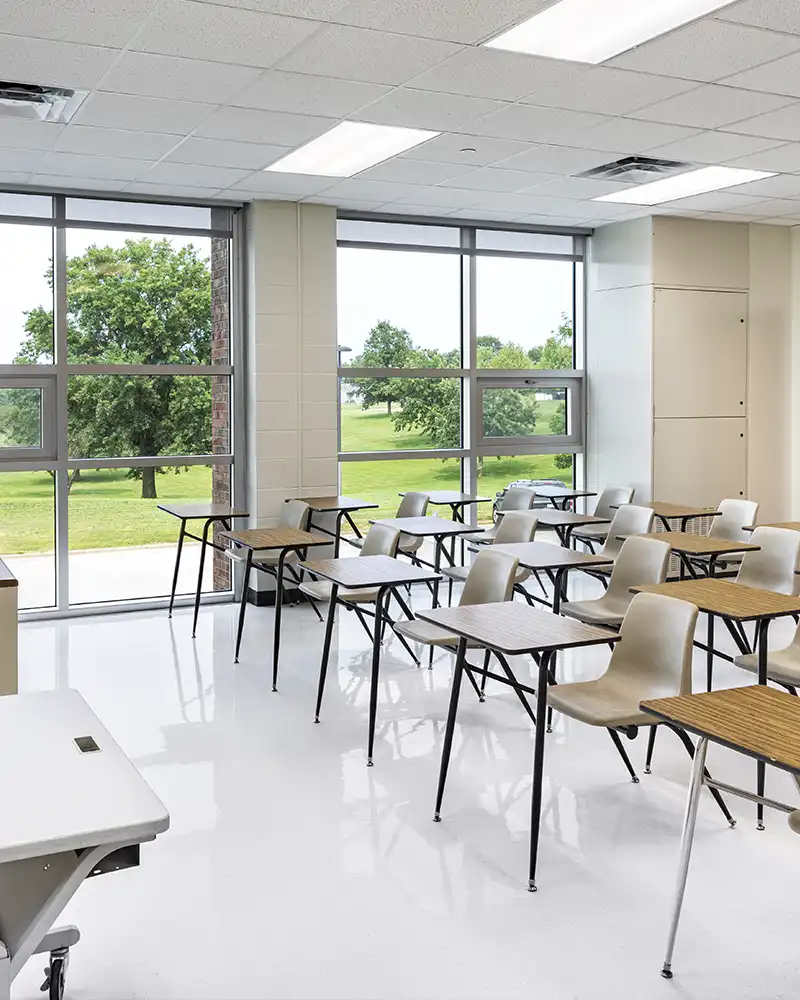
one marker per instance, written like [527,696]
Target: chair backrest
[517,498]
[516,526]
[295,514]
[641,561]
[381,540]
[491,579]
[654,654]
[773,566]
[613,496]
[735,516]
[628,520]
[413,505]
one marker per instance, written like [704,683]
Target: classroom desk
[380,573]
[510,629]
[343,508]
[565,522]
[67,816]
[788,525]
[757,721]
[458,503]
[559,497]
[283,541]
[686,545]
[734,604]
[554,560]
[436,528]
[669,512]
[209,513]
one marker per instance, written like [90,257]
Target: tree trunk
[389,407]
[149,483]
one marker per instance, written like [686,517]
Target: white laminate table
[66,815]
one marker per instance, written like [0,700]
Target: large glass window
[141,369]
[28,533]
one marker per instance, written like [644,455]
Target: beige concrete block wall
[8,631]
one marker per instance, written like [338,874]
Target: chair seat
[592,532]
[460,573]
[783,665]
[320,590]
[604,611]
[794,821]
[430,635]
[408,544]
[267,557]
[608,701]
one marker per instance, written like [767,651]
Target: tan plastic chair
[628,520]
[517,498]
[735,516]
[294,514]
[516,526]
[411,505]
[794,821]
[783,665]
[641,561]
[774,565]
[611,498]
[653,659]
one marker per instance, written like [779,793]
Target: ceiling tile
[29,135]
[711,106]
[12,178]
[468,21]
[719,201]
[472,150]
[777,208]
[717,216]
[318,10]
[350,204]
[361,54]
[778,15]
[423,109]
[632,135]
[442,197]
[782,76]
[546,220]
[192,175]
[171,190]
[224,153]
[783,124]
[534,124]
[407,171]
[378,191]
[607,91]
[788,220]
[285,185]
[224,34]
[60,183]
[525,204]
[142,114]
[99,167]
[783,159]
[561,160]
[88,21]
[485,216]
[505,76]
[711,147]
[494,179]
[270,127]
[115,142]
[780,186]
[707,50]
[434,211]
[183,79]
[299,93]
[21,160]
[579,188]
[59,64]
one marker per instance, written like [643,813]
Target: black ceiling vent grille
[31,102]
[636,169]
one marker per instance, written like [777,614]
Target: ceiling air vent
[31,102]
[636,170]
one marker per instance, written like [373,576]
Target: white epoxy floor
[293,871]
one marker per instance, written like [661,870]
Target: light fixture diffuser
[685,185]
[592,31]
[349,148]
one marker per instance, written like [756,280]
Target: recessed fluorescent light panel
[685,185]
[592,31]
[351,147]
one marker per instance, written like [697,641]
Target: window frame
[46,451]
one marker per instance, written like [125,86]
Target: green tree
[386,346]
[144,303]
[556,352]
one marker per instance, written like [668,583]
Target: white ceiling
[192,99]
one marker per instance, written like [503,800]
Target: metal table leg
[276,632]
[203,546]
[383,594]
[687,840]
[762,633]
[447,746]
[248,565]
[177,566]
[326,648]
[710,652]
[545,662]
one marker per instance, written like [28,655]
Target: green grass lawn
[106,509]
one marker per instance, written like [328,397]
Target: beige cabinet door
[699,353]
[700,461]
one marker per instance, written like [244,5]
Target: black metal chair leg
[391,623]
[177,567]
[651,743]
[622,752]
[690,749]
[326,649]
[520,694]
[486,657]
[450,727]
[243,605]
[363,620]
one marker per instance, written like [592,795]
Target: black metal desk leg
[326,648]
[450,728]
[538,764]
[203,545]
[276,636]
[384,595]
[710,652]
[338,540]
[248,565]
[762,633]
[177,566]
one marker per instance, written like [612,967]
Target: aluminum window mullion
[60,311]
[75,369]
[141,461]
[402,372]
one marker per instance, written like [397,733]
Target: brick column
[220,391]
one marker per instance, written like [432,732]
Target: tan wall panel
[697,254]
[700,461]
